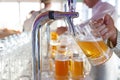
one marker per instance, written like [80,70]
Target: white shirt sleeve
[102,9]
[116,49]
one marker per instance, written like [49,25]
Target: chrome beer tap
[72,7]
[40,20]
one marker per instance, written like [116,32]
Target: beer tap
[40,20]
[72,7]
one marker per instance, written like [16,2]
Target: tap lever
[72,5]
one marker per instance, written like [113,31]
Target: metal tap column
[36,43]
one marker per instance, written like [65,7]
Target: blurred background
[13,13]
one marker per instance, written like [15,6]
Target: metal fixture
[41,19]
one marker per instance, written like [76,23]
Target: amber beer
[61,69]
[53,35]
[77,69]
[97,51]
[53,49]
[53,45]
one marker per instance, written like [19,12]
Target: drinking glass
[77,67]
[61,74]
[93,46]
[61,64]
[53,43]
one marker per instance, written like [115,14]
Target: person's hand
[61,30]
[106,28]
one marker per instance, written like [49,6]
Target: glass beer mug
[61,65]
[93,46]
[77,67]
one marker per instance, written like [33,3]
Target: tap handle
[72,5]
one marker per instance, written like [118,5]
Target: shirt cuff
[116,49]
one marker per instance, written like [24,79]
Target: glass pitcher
[93,46]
